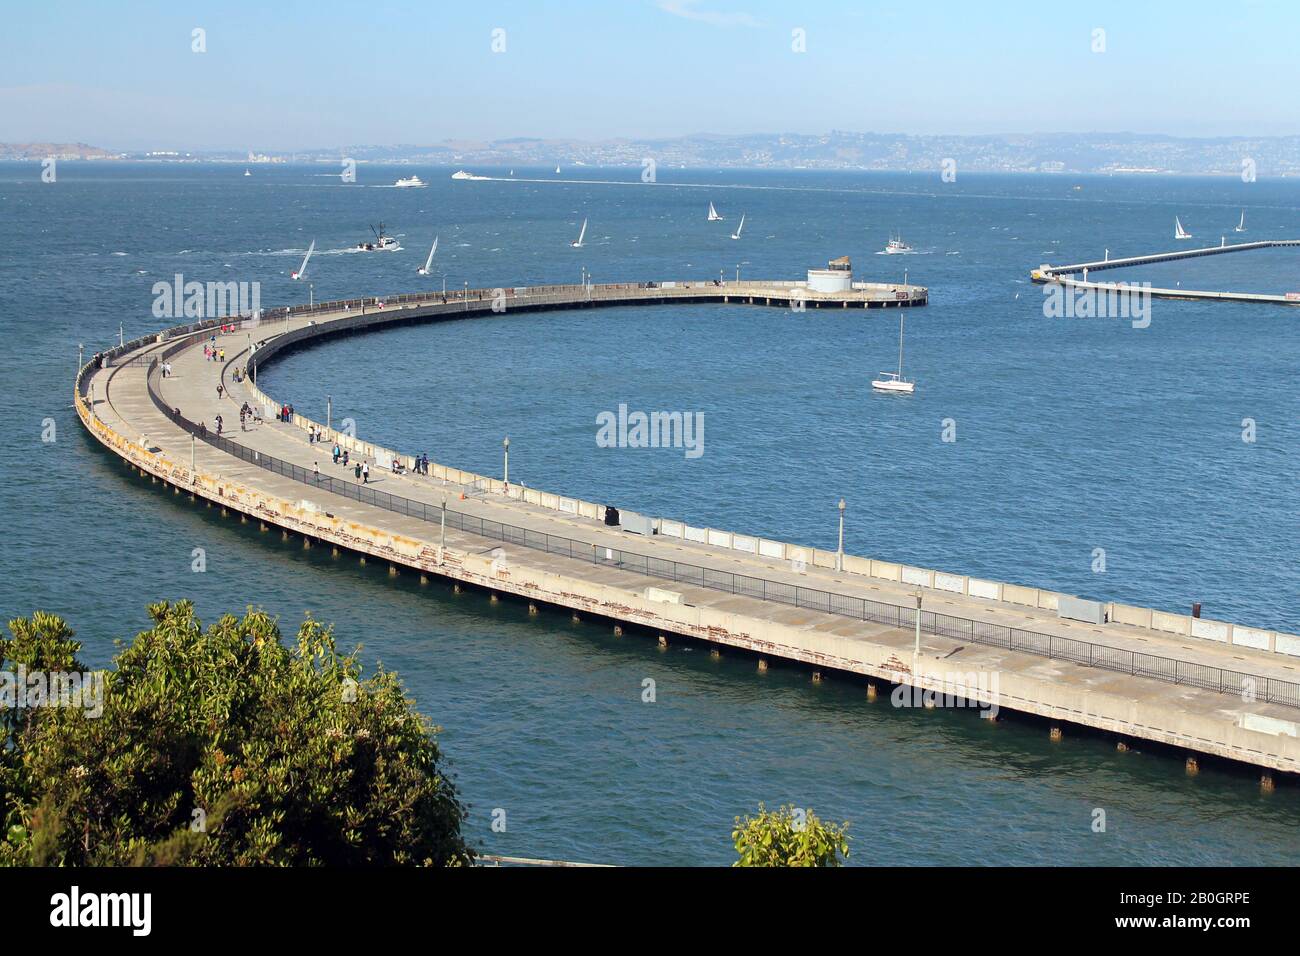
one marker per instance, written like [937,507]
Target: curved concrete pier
[1231,701]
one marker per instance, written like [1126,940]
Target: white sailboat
[247,173]
[577,244]
[428,263]
[736,234]
[894,381]
[1241,226]
[302,269]
[713,214]
[1179,231]
[557,170]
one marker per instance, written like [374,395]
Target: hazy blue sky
[315,73]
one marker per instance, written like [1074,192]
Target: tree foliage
[789,837]
[221,746]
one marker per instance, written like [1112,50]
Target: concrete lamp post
[505,471]
[916,647]
[839,553]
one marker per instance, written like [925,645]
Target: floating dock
[1203,687]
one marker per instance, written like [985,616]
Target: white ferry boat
[462,174]
[410,182]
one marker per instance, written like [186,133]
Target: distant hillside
[839,149]
[57,150]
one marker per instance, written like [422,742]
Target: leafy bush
[221,747]
[789,837]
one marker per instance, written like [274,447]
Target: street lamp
[737,273]
[839,555]
[329,413]
[916,647]
[506,470]
[466,295]
[81,356]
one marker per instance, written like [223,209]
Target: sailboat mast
[900,348]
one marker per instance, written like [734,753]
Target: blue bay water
[1072,435]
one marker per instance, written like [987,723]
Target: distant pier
[1047,273]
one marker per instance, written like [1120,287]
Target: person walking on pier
[365,473]
[220,390]
[315,471]
[219,423]
[335,451]
[345,460]
[356,470]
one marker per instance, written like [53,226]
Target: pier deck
[1047,273]
[605,581]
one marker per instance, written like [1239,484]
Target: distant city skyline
[304,76]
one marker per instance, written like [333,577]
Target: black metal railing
[1207,677]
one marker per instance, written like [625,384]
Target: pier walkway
[1232,701]
[1047,273]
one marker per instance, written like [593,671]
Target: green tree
[789,837]
[221,746]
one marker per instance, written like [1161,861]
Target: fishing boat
[1241,226]
[1179,231]
[428,263]
[577,243]
[302,269]
[713,214]
[410,182]
[896,246]
[382,243]
[736,234]
[894,381]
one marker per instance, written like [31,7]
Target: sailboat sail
[713,214]
[428,263]
[302,269]
[1241,226]
[1179,231]
[736,234]
[581,234]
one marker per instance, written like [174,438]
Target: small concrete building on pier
[836,277]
